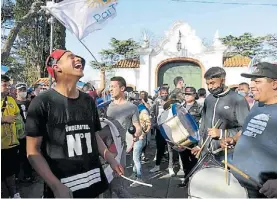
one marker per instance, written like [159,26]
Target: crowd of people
[56,131]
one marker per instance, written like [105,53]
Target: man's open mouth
[78,66]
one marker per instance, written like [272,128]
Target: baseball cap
[53,58]
[263,69]
[190,90]
[20,85]
[5,78]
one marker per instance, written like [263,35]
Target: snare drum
[178,127]
[111,138]
[210,182]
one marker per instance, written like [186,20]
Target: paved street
[164,186]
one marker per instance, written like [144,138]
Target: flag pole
[51,21]
[88,50]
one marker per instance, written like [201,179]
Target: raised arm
[102,82]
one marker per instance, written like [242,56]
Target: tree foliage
[7,13]
[270,47]
[119,49]
[32,39]
[245,45]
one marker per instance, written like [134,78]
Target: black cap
[5,78]
[263,69]
[190,90]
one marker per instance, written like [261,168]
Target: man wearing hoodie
[224,111]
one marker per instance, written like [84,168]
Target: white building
[180,53]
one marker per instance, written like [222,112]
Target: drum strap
[174,109]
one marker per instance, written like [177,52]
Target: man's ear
[122,88]
[57,68]
[223,80]
[275,84]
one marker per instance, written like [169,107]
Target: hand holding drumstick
[197,150]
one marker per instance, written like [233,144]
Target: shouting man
[63,145]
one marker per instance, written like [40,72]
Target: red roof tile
[126,63]
[44,81]
[236,61]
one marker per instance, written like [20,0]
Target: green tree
[7,14]
[119,50]
[27,60]
[245,45]
[270,47]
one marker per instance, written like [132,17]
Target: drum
[210,182]
[178,127]
[102,108]
[112,139]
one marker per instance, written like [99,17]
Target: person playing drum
[223,107]
[256,148]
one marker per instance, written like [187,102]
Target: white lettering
[76,127]
[74,145]
[88,142]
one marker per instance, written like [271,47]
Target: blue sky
[158,16]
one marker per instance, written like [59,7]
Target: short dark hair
[201,92]
[5,78]
[164,89]
[245,84]
[121,81]
[215,72]
[177,79]
[146,95]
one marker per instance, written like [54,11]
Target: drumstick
[180,145]
[241,173]
[199,152]
[226,159]
[145,184]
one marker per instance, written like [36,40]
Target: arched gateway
[190,69]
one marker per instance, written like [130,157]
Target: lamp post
[184,51]
[179,44]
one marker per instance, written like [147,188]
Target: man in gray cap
[256,145]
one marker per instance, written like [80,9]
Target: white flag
[82,17]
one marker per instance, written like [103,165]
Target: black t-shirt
[69,144]
[23,107]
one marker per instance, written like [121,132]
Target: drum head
[210,182]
